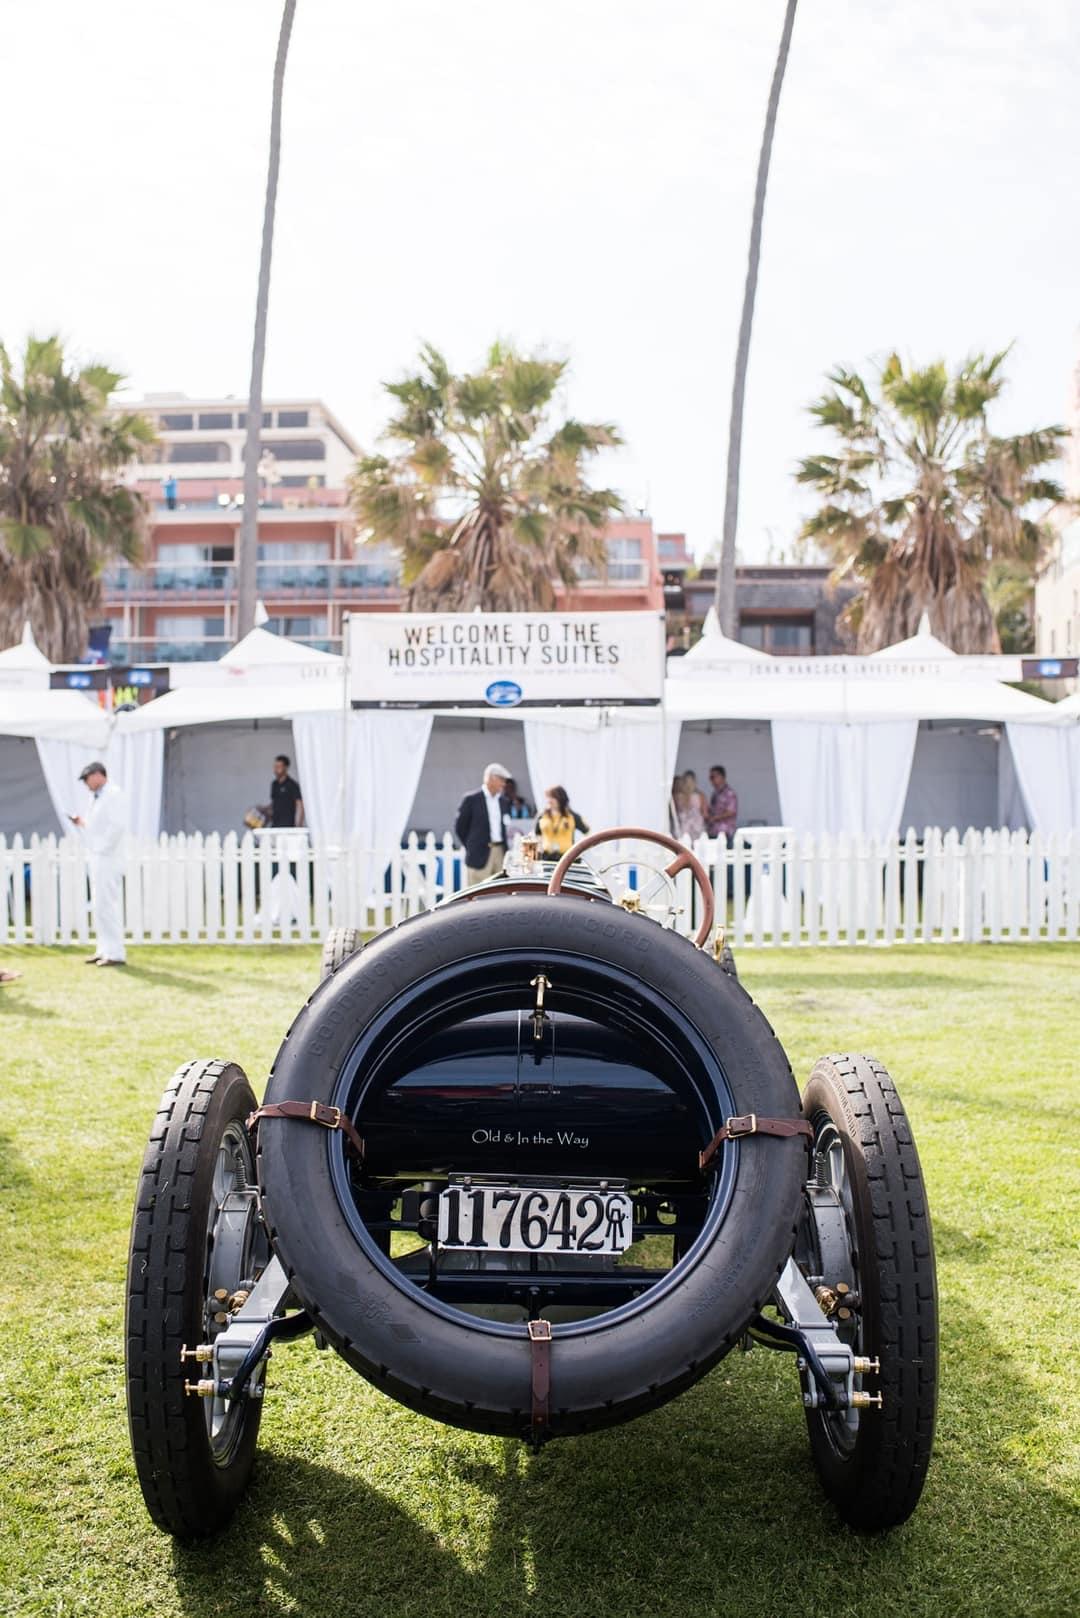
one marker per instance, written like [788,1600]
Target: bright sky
[569,173]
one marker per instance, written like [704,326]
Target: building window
[295,449]
[176,424]
[216,418]
[790,637]
[186,626]
[624,560]
[180,454]
[294,550]
[292,418]
[784,637]
[174,554]
[307,628]
[181,555]
[193,567]
[268,419]
[301,480]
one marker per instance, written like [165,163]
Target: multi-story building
[630,582]
[1057,600]
[181,603]
[789,611]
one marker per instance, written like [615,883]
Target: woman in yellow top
[559,826]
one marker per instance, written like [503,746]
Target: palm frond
[484,478]
[922,497]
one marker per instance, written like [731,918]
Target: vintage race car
[532,1163]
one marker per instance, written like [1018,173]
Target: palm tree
[249,523]
[63,514]
[488,502]
[725,571]
[922,498]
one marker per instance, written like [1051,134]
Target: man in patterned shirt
[723,811]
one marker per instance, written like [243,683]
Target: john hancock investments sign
[505,660]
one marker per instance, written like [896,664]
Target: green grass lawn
[708,1506]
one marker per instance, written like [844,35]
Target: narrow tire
[875,1478]
[338,945]
[191,1484]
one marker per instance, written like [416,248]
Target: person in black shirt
[286,803]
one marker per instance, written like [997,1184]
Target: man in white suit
[104,829]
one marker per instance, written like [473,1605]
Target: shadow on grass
[14,1006]
[707,1507]
[14,1175]
[884,982]
[171,980]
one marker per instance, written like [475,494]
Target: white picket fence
[778,889]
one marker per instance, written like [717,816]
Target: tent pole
[343,787]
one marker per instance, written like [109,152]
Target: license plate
[532,1219]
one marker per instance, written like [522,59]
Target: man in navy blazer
[479,826]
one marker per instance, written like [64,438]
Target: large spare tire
[475,1372]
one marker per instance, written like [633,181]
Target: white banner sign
[884,670]
[505,660]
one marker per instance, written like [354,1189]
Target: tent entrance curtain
[366,764]
[135,761]
[837,778]
[1047,763]
[616,768]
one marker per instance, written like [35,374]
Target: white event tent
[360,770]
[911,735]
[868,746]
[1048,763]
[24,667]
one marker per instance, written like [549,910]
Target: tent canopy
[26,654]
[921,644]
[215,704]
[716,647]
[260,648]
[56,715]
[23,667]
[1067,711]
[770,694]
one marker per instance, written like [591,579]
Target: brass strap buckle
[329,1117]
[744,1125]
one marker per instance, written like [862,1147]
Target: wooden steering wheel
[685,860]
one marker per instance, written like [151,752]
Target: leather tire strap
[311,1112]
[751,1124]
[540,1345]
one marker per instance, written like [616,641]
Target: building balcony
[620,575]
[167,583]
[200,649]
[228,504]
